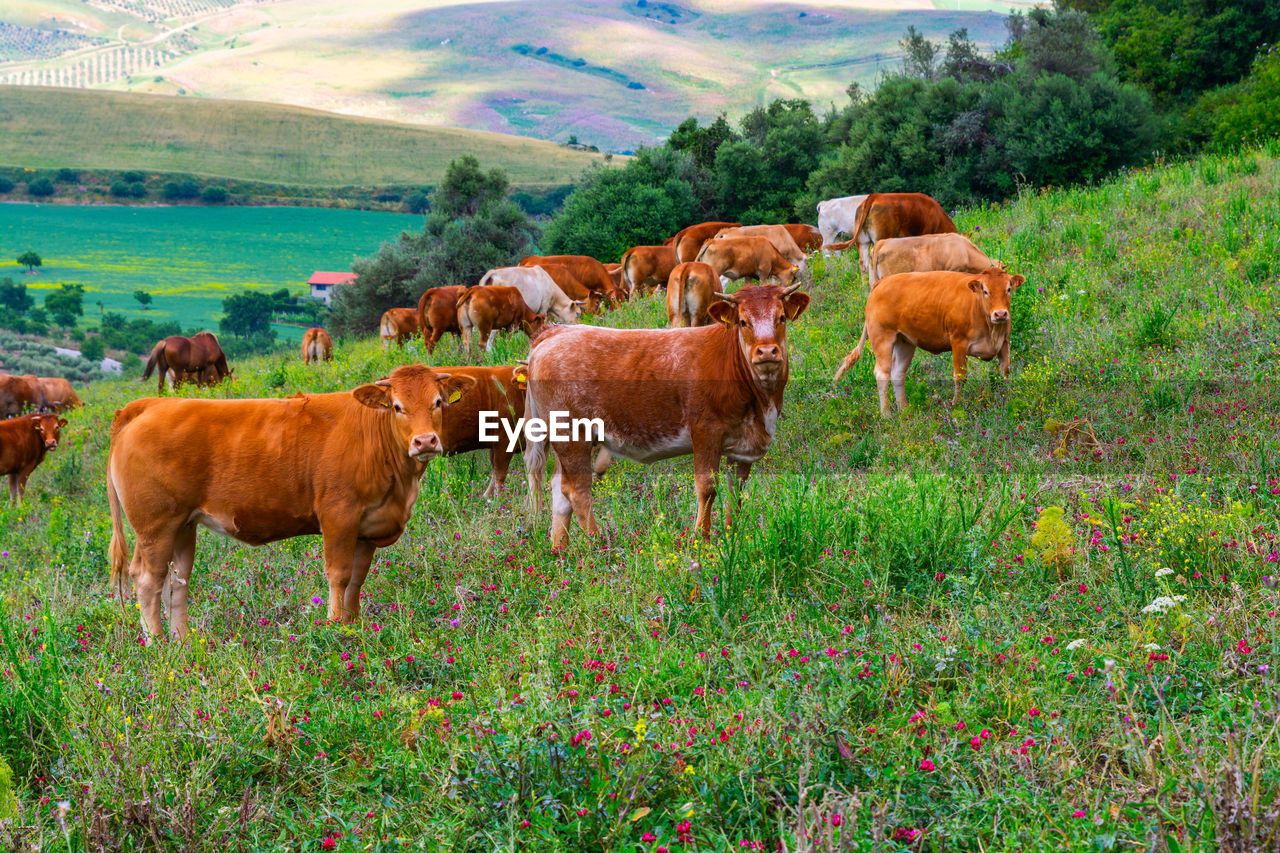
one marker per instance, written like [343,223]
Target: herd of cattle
[347,465]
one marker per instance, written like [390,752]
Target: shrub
[67,176]
[181,190]
[416,202]
[133,177]
[6,185]
[214,195]
[93,348]
[120,189]
[137,189]
[40,188]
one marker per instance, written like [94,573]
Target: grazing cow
[886,215]
[344,465]
[688,241]
[179,358]
[495,307]
[778,235]
[690,292]
[23,443]
[58,393]
[954,252]
[539,291]
[837,216]
[316,346]
[398,324]
[588,270]
[747,257]
[647,266]
[618,293]
[573,288]
[438,313]
[497,389]
[935,311]
[714,391]
[19,394]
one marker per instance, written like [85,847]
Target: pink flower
[927,766]
[1078,813]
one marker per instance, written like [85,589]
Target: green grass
[188,258]
[48,128]
[884,634]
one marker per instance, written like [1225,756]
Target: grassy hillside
[447,63]
[255,141]
[1044,620]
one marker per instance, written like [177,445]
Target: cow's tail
[627,283]
[484,281]
[852,358]
[387,328]
[535,451]
[860,221]
[119,548]
[156,360]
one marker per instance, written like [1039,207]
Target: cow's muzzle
[425,446]
[1001,316]
[50,445]
[766,355]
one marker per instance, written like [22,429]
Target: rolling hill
[616,74]
[47,127]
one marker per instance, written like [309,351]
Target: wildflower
[927,766]
[1161,572]
[1078,813]
[1075,644]
[1243,647]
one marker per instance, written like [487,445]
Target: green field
[1044,620]
[189,258]
[54,128]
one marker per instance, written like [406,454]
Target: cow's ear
[1015,281]
[723,312]
[795,305]
[62,422]
[37,426]
[373,396]
[974,284]
[454,387]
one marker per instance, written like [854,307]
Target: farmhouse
[323,283]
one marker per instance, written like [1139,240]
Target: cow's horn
[725,296]
[792,289]
[522,361]
[385,383]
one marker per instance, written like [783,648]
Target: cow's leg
[149,570]
[571,492]
[499,463]
[13,487]
[602,463]
[339,564]
[561,509]
[436,335]
[959,366]
[1004,357]
[864,257]
[363,557]
[744,471]
[179,580]
[883,350]
[706,465]
[903,352]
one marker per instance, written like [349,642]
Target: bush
[133,177]
[181,190]
[214,195]
[120,189]
[416,202]
[40,188]
[137,189]
[67,176]
[6,185]
[93,348]
[135,336]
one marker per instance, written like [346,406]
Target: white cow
[837,215]
[539,290]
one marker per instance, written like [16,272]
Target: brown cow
[886,215]
[935,311]
[438,313]
[23,443]
[499,390]
[316,346]
[19,394]
[573,288]
[688,241]
[179,358]
[954,252]
[588,270]
[747,257]
[690,292]
[495,307]
[714,391]
[58,393]
[647,266]
[778,235]
[344,465]
[398,324]
[619,293]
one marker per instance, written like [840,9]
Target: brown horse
[199,357]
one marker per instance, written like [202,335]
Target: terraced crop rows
[95,69]
[26,43]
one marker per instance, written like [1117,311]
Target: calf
[438,313]
[23,443]
[713,391]
[778,235]
[398,324]
[344,465]
[747,257]
[954,252]
[497,389]
[935,311]
[58,393]
[590,272]
[573,288]
[618,294]
[495,307]
[647,266]
[689,241]
[690,292]
[539,291]
[886,215]
[20,394]
[316,346]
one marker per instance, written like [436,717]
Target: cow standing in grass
[24,442]
[316,346]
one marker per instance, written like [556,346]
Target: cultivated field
[188,258]
[615,74]
[1045,620]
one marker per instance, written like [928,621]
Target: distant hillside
[49,128]
[616,74]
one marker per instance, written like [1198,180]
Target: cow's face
[760,315]
[994,288]
[416,396]
[534,325]
[48,426]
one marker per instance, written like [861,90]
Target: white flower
[1081,292]
[1164,571]
[1075,644]
[1163,603]
[1152,647]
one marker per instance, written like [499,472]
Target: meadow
[188,258]
[1043,620]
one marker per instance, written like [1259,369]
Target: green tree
[1245,113]
[65,304]
[465,188]
[214,195]
[6,185]
[40,188]
[702,142]
[759,176]
[119,189]
[143,298]
[181,190]
[14,297]
[246,314]
[30,260]
[93,348]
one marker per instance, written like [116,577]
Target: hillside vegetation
[1043,620]
[53,128]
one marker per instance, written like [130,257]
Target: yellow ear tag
[455,396]
[521,378]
